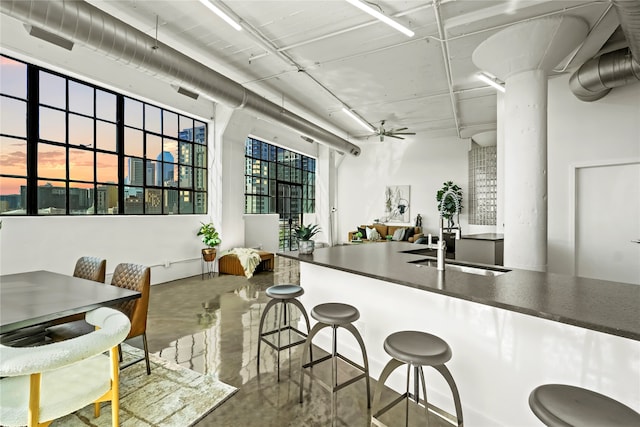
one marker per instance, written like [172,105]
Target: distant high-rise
[164,171]
[196,135]
[136,172]
[151,172]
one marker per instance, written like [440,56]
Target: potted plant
[449,199]
[210,238]
[357,237]
[304,233]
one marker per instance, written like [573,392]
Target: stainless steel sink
[469,269]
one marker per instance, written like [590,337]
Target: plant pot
[306,247]
[209,254]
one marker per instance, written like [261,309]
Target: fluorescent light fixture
[48,37]
[215,9]
[490,81]
[361,122]
[384,18]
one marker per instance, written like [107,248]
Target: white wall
[424,165]
[55,243]
[581,133]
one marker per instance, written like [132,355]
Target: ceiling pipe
[91,27]
[444,45]
[596,77]
[629,16]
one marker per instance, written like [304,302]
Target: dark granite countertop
[599,305]
[483,236]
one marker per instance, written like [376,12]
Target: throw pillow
[398,235]
[369,231]
[375,235]
[409,232]
[363,230]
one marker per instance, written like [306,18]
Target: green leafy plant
[209,235]
[358,235]
[306,232]
[449,207]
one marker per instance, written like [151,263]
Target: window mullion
[120,151]
[33,118]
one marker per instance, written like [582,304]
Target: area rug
[171,396]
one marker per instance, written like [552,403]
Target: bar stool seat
[284,291]
[415,349]
[283,295]
[335,315]
[565,405]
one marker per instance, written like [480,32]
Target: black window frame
[270,169]
[186,193]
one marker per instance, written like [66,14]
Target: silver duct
[85,24]
[596,77]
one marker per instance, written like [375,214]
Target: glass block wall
[483,185]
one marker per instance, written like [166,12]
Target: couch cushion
[363,230]
[398,235]
[409,232]
[382,229]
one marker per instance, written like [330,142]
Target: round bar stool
[283,295]
[335,315]
[415,349]
[559,405]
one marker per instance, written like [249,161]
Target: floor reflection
[211,326]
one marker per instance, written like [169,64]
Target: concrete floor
[211,326]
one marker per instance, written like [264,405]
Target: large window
[72,148]
[279,181]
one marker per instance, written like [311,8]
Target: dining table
[37,297]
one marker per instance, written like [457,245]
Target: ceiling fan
[392,133]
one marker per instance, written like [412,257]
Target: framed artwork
[396,203]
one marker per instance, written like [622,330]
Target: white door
[608,222]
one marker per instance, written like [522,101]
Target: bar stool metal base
[416,361]
[334,387]
[282,326]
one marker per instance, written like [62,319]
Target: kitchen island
[509,331]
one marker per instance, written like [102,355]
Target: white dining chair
[41,384]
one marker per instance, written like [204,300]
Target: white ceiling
[314,56]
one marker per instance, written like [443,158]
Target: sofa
[411,234]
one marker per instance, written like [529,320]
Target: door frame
[573,197]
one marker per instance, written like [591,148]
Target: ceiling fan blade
[398,130]
[393,136]
[404,133]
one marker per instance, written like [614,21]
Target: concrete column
[521,56]
[525,130]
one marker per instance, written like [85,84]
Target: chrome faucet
[442,245]
[442,250]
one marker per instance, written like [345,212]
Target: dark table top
[599,305]
[35,297]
